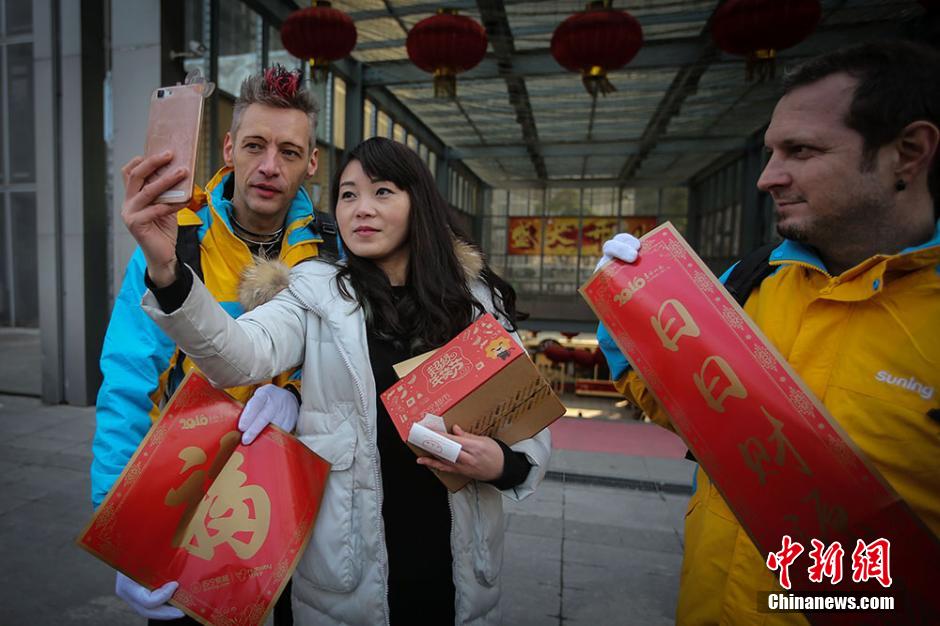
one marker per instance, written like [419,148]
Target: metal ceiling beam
[600,148]
[683,85]
[493,15]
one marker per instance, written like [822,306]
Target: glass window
[564,201]
[398,133]
[25,272]
[6,318]
[2,151]
[22,132]
[368,119]
[499,202]
[432,163]
[675,201]
[412,142]
[559,274]
[425,154]
[239,45]
[628,201]
[523,273]
[383,124]
[646,200]
[601,201]
[339,112]
[196,31]
[319,91]
[19,16]
[522,203]
[277,55]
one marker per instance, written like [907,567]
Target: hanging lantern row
[319,33]
[593,42]
[757,29]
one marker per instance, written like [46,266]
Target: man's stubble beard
[864,216]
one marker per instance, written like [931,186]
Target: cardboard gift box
[483,381]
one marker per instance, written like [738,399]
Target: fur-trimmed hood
[264,279]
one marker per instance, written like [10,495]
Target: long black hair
[437,303]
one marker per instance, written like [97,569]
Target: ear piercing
[900,185]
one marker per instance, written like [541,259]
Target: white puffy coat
[342,576]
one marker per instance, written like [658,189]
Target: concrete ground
[20,369]
[599,543]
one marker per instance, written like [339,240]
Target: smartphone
[174,123]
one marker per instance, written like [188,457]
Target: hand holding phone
[151,222]
[174,123]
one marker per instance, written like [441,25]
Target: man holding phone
[243,234]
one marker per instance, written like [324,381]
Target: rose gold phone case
[175,120]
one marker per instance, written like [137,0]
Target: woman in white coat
[390,544]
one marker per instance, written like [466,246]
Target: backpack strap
[749,272]
[324,224]
[187,248]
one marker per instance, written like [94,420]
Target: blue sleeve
[615,358]
[135,353]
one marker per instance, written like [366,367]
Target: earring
[900,185]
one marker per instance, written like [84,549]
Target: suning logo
[910,383]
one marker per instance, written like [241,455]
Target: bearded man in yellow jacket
[853,301]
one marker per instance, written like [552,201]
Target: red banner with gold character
[782,463]
[229,522]
[525,236]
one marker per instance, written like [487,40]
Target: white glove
[270,404]
[149,604]
[623,246]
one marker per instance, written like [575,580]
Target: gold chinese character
[756,455]
[226,493]
[676,313]
[226,506]
[734,388]
[783,444]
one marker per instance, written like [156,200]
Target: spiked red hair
[281,82]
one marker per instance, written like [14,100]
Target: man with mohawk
[253,222]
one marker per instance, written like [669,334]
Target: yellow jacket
[867,343]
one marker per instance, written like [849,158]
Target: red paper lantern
[583,357]
[557,353]
[596,41]
[445,45]
[319,33]
[758,28]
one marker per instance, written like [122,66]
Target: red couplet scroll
[782,463]
[229,522]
